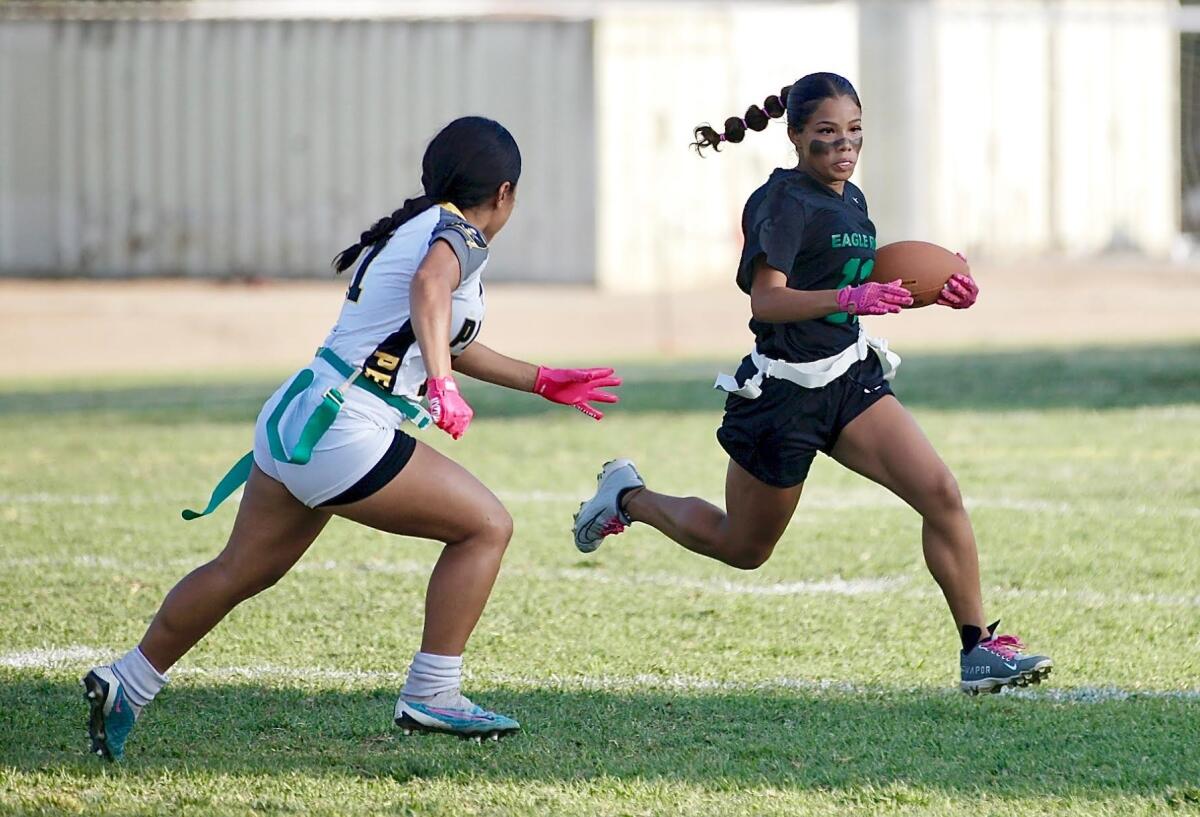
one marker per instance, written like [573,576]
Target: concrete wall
[668,218]
[264,147]
[1005,128]
[1017,127]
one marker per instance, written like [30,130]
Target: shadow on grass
[794,739]
[1089,378]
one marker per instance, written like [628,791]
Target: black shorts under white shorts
[391,463]
[777,436]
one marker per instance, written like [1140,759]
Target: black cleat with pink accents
[1000,661]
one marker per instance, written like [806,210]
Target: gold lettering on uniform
[384,380]
[386,361]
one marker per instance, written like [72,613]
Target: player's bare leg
[743,536]
[436,498]
[886,445]
[271,532]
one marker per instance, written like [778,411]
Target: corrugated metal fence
[247,148]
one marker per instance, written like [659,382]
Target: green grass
[649,680]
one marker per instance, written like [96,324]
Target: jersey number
[355,290]
[854,272]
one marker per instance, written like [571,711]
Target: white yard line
[79,658]
[55,657]
[834,586]
[666,582]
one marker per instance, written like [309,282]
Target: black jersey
[822,241]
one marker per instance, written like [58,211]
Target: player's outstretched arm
[486,364]
[578,388]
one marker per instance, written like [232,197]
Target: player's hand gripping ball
[447,407]
[960,291]
[931,273]
[577,388]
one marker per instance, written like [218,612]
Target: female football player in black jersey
[816,382]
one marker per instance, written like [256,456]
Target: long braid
[380,230]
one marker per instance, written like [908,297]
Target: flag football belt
[812,375]
[314,428]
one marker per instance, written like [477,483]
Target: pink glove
[874,299]
[959,292]
[575,387]
[449,410]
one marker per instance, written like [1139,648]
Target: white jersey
[374,331]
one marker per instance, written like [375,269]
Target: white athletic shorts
[360,436]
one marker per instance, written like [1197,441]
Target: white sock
[430,674]
[139,677]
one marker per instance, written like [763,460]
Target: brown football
[923,268]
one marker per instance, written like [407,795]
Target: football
[923,268]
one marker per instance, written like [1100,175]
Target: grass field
[649,680]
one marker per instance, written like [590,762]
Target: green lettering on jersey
[841,240]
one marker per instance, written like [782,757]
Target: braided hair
[797,100]
[464,164]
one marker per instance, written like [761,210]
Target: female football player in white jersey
[816,382]
[329,442]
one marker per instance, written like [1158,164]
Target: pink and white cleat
[602,515]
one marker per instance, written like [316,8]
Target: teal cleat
[112,716]
[453,714]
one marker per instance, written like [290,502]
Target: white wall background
[1005,128]
[1055,127]
[238,147]
[667,217]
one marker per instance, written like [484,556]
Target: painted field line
[55,657]
[667,582]
[833,586]
[79,658]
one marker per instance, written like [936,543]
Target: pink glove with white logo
[874,299]
[575,387]
[448,409]
[960,291]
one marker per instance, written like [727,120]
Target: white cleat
[602,515]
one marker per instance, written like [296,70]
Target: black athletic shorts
[777,436]
[391,463]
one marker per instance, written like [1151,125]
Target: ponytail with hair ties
[756,118]
[798,100]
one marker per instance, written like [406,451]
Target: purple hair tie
[723,138]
